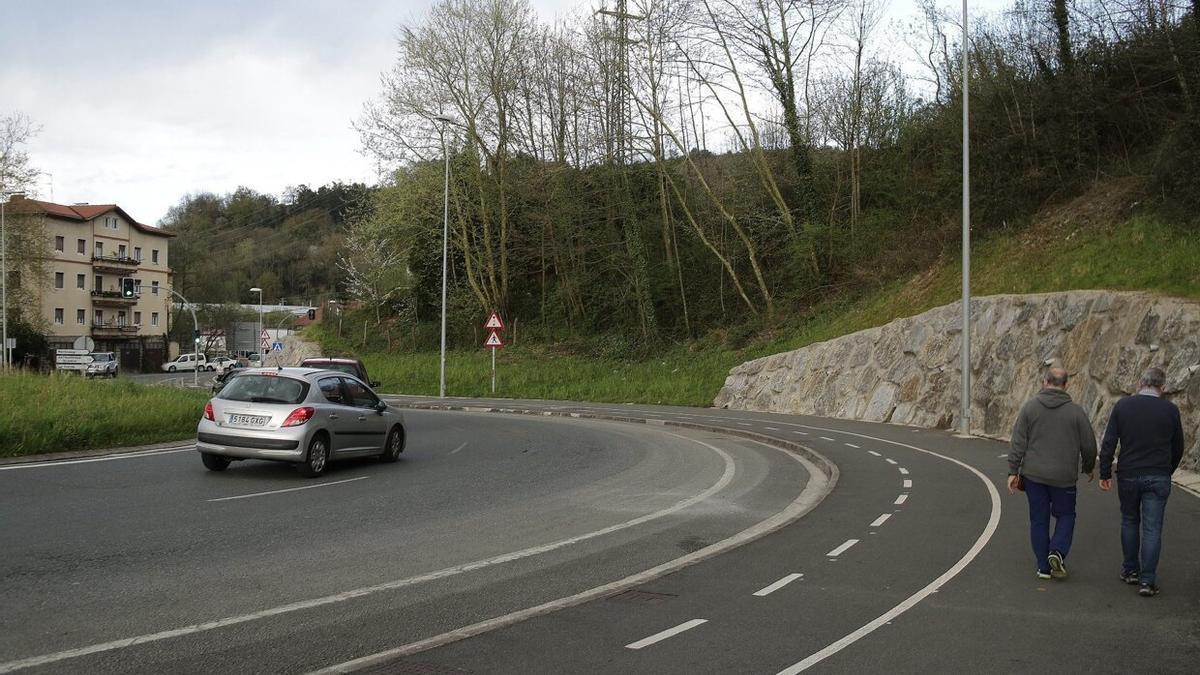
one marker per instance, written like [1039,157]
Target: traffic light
[312,314]
[196,337]
[128,288]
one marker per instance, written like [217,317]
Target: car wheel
[214,462]
[394,445]
[170,369]
[318,456]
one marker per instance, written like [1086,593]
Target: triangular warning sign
[493,340]
[494,322]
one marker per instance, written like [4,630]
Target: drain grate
[641,597]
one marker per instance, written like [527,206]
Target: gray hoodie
[1051,439]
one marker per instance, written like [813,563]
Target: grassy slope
[1141,253]
[65,412]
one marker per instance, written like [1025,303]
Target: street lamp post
[258,334]
[4,197]
[444,119]
[965,413]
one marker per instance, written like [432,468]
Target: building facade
[92,250]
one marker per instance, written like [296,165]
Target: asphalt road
[505,543]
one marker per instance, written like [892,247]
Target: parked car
[227,373]
[221,363]
[305,416]
[104,364]
[186,362]
[342,364]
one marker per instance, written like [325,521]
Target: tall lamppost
[965,413]
[258,334]
[444,119]
[4,197]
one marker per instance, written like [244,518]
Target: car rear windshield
[101,358]
[257,388]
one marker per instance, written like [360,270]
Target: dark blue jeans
[1045,501]
[1143,502]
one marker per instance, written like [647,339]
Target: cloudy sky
[141,102]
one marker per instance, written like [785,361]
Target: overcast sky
[141,102]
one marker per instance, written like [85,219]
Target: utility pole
[965,413]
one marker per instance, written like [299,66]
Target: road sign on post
[494,322]
[493,325]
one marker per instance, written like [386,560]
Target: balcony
[112,299]
[114,328]
[116,264]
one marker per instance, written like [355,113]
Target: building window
[60,244]
[154,287]
[99,317]
[137,253]
[153,318]
[99,249]
[154,256]
[137,318]
[121,251]
[80,316]
[80,280]
[99,283]
[121,318]
[58,315]
[58,281]
[81,246]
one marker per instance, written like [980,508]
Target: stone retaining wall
[907,371]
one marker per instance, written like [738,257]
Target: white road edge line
[911,601]
[814,491]
[106,458]
[726,478]
[458,448]
[670,632]
[842,549]
[764,592]
[901,499]
[881,520]
[295,489]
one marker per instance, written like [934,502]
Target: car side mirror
[374,384]
[380,407]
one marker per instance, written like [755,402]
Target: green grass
[59,413]
[1140,254]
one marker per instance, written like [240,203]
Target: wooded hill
[674,167]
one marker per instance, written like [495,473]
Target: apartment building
[92,249]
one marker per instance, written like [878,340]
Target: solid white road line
[106,458]
[842,549]
[295,489]
[764,592]
[881,520]
[670,632]
[901,499]
[903,471]
[889,460]
[726,477]
[851,445]
[458,448]
[826,438]
[874,453]
[1004,456]
[907,482]
[814,491]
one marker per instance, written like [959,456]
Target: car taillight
[299,416]
[208,413]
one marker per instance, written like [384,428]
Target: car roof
[331,359]
[295,372]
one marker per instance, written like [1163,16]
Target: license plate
[248,420]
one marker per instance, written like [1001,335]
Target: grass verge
[1142,253]
[60,413]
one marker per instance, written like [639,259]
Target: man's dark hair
[1056,377]
[1154,377]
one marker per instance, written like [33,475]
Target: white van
[187,362]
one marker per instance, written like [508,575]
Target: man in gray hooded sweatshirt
[1052,444]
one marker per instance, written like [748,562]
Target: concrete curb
[1189,481]
[96,452]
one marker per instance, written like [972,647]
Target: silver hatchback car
[306,416]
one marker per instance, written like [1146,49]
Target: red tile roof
[79,212]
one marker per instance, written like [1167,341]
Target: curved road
[542,543]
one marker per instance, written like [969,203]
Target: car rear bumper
[249,445]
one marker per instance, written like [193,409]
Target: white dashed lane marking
[826,438]
[907,482]
[889,460]
[764,592]
[875,453]
[901,499]
[842,549]
[903,471]
[881,520]
[668,633]
[851,445]
[771,428]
